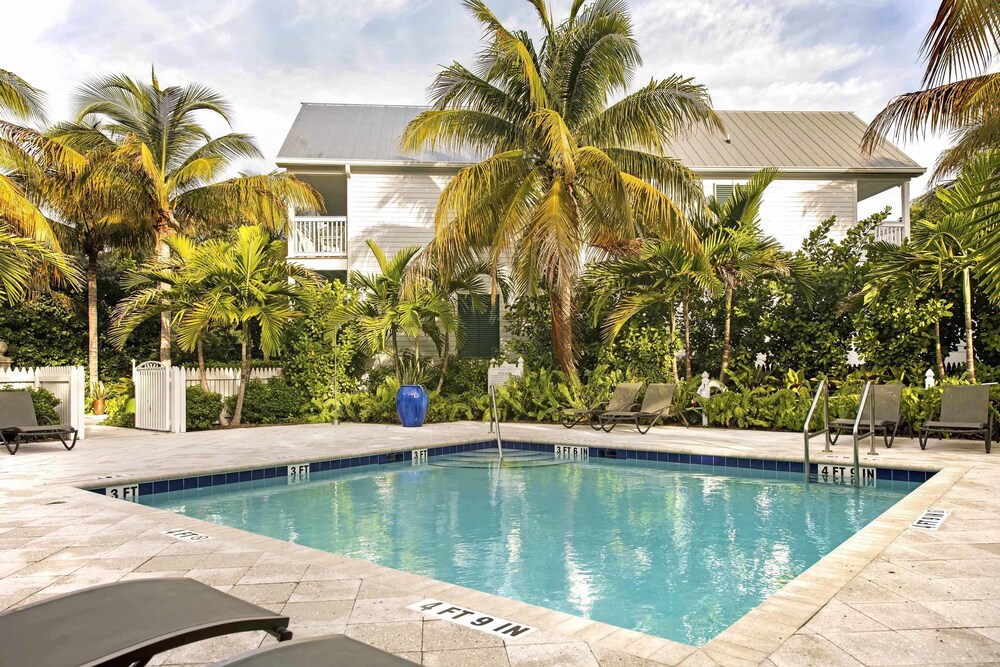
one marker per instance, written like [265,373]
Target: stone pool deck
[888,596]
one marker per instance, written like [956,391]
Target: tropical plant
[738,251]
[567,169]
[657,277]
[390,306]
[942,250]
[28,247]
[171,168]
[244,286]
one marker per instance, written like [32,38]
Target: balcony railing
[891,231]
[318,237]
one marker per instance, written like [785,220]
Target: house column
[904,195]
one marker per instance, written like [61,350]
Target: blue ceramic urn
[411,405]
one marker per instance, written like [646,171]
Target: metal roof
[798,141]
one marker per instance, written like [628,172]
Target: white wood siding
[394,209]
[792,208]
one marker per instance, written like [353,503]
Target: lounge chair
[623,397]
[18,424]
[126,623]
[655,405]
[332,650]
[887,399]
[964,409]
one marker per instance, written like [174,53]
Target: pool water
[645,546]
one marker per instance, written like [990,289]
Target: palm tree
[945,250]
[959,93]
[738,250]
[566,170]
[28,245]
[173,168]
[243,284]
[394,302]
[659,274]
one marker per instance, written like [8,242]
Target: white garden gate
[160,398]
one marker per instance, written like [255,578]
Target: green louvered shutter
[482,329]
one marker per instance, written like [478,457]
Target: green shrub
[119,404]
[203,408]
[272,402]
[44,402]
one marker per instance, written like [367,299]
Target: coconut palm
[566,170]
[660,274]
[959,93]
[738,250]
[243,284]
[28,244]
[173,168]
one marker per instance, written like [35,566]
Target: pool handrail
[495,419]
[808,435]
[867,400]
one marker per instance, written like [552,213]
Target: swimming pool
[665,549]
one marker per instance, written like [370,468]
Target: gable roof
[797,141]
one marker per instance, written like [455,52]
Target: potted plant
[411,398]
[97,392]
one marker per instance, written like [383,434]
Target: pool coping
[749,640]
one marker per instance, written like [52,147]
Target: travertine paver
[888,595]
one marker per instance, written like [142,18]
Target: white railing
[891,231]
[318,237]
[67,383]
[226,381]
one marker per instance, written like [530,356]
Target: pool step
[485,458]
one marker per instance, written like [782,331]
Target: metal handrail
[867,400]
[808,435]
[495,419]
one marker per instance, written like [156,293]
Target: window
[482,329]
[723,192]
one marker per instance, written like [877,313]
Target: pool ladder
[867,401]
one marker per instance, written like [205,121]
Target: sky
[267,56]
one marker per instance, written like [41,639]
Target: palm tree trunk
[163,253]
[395,357]
[727,335]
[561,299]
[970,352]
[938,353]
[687,340]
[202,373]
[670,345]
[444,360]
[93,369]
[244,378]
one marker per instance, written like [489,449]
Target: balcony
[891,231]
[323,237]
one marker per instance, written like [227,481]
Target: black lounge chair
[964,409]
[655,405]
[888,398]
[623,397]
[318,652]
[18,424]
[126,624]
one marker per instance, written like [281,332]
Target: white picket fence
[226,381]
[67,383]
[161,391]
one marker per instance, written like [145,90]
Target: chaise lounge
[655,406]
[332,650]
[18,423]
[888,398]
[623,397]
[964,410]
[126,624]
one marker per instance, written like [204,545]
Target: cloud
[268,56]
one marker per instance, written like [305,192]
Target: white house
[350,154]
